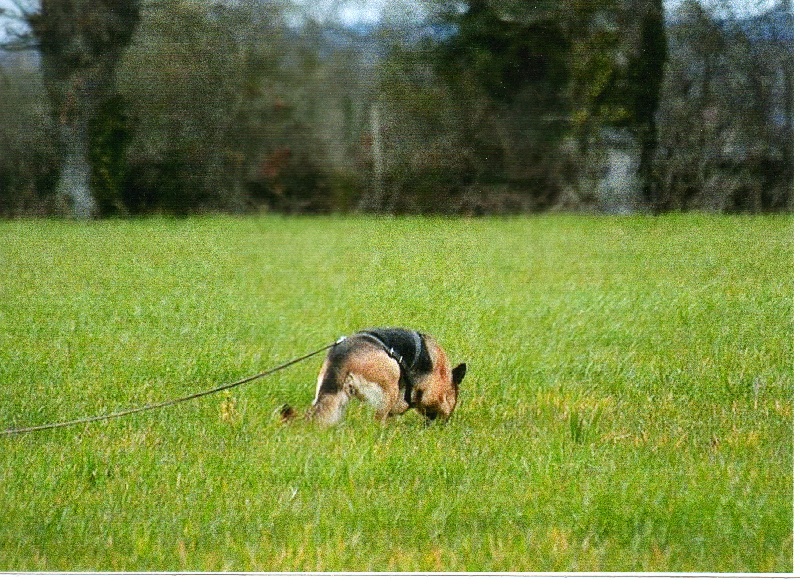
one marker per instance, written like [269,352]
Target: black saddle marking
[409,346]
[409,350]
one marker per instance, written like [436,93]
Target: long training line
[91,419]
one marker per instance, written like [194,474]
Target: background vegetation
[628,406]
[483,106]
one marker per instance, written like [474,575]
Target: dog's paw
[287,413]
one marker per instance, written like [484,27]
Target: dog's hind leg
[328,408]
[373,393]
[330,399]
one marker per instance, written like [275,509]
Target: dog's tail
[287,413]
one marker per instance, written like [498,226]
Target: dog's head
[440,403]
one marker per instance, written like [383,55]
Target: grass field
[628,404]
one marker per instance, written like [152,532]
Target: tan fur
[438,391]
[365,366]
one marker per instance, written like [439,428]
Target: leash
[91,419]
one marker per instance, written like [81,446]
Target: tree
[617,57]
[556,99]
[81,42]
[512,59]
[475,109]
[28,161]
[725,125]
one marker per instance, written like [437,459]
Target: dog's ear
[459,372]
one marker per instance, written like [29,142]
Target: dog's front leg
[394,404]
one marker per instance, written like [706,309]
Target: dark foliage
[493,106]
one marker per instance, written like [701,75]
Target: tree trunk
[74,182]
[81,42]
[374,200]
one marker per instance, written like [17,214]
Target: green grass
[628,404]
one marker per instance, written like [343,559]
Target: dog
[391,369]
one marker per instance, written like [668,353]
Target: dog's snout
[436,414]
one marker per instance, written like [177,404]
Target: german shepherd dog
[393,370]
